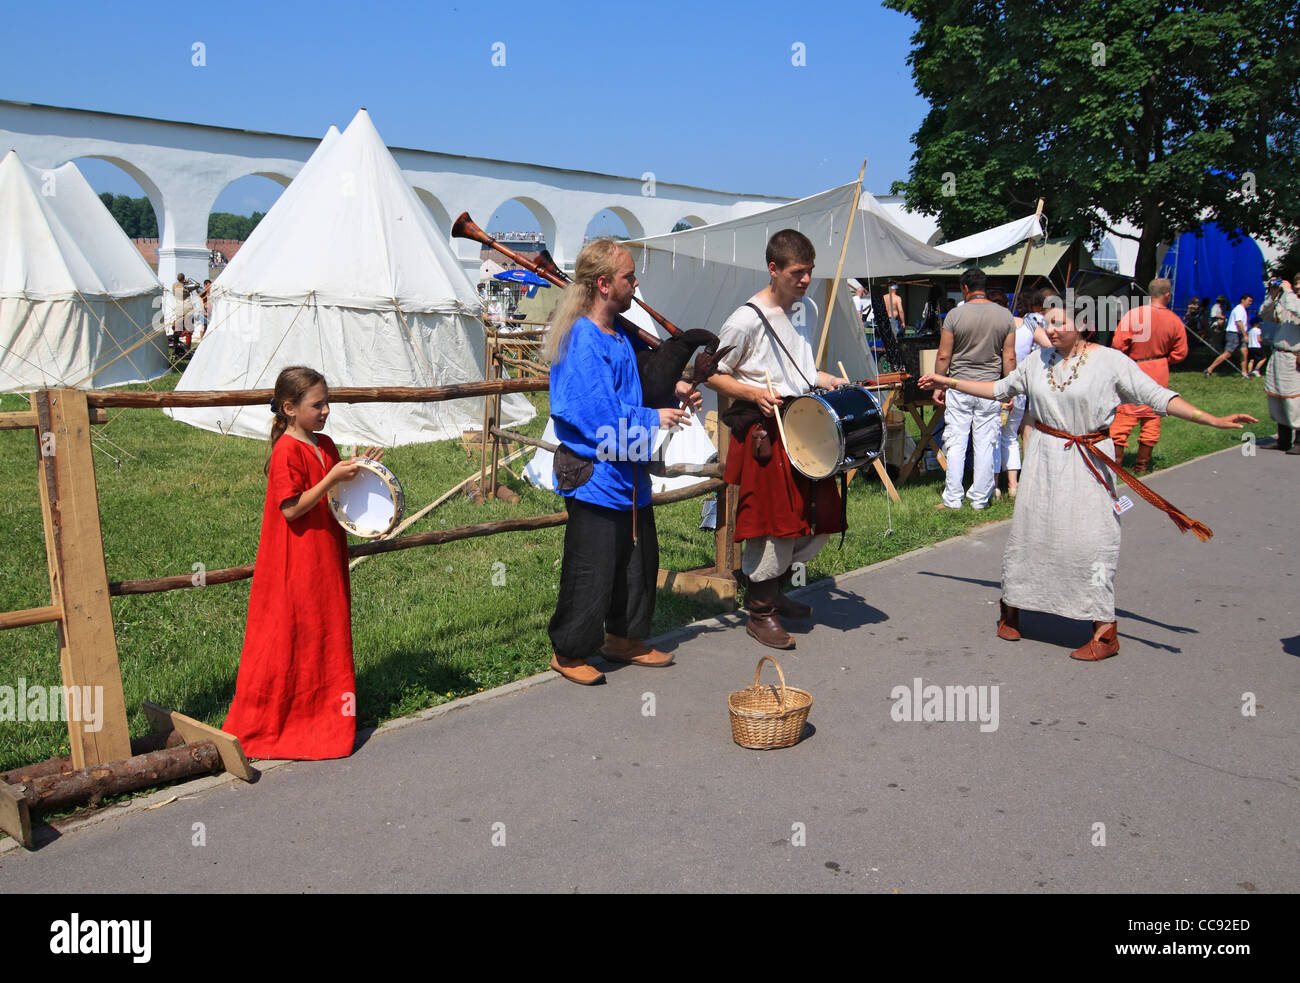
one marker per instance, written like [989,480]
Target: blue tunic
[596,406]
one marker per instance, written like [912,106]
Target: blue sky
[702,94]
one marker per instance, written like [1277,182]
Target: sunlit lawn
[429,624]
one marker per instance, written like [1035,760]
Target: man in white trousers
[978,343]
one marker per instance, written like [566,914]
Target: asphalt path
[1174,767]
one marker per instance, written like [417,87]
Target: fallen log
[63,764]
[89,786]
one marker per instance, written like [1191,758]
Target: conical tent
[347,274]
[77,300]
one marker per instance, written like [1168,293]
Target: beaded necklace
[1051,375]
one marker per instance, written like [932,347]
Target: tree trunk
[90,785]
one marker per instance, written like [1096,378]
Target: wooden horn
[546,267]
[546,262]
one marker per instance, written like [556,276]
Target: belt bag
[571,471]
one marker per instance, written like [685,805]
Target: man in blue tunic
[611,551]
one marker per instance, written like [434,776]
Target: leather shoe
[582,674]
[1009,623]
[634,653]
[764,626]
[1099,648]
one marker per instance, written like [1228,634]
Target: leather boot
[1285,435]
[764,626]
[1099,648]
[788,607]
[1143,463]
[1009,623]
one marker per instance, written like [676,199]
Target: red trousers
[1129,416]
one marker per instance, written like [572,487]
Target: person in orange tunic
[295,696]
[1155,338]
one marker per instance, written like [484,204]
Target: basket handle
[758,670]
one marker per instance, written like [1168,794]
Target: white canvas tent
[77,300]
[698,277]
[347,274]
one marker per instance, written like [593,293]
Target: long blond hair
[598,258]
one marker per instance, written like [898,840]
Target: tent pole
[839,269]
[1024,263]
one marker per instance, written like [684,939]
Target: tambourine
[371,503]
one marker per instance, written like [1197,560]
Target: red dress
[295,696]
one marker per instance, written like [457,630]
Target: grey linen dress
[1064,544]
[1282,377]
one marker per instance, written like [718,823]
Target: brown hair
[598,258]
[291,385]
[790,246]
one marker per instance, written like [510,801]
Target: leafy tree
[1166,115]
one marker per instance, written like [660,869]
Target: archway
[687,222]
[441,220]
[525,219]
[237,210]
[614,221]
[131,197]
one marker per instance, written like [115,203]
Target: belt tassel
[1088,443]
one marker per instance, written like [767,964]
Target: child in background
[295,696]
[1254,350]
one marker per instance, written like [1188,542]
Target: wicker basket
[763,718]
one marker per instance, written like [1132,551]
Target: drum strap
[762,317]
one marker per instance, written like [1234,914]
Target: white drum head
[812,437]
[369,505]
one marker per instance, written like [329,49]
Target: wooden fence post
[74,547]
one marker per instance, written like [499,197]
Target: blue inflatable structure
[1211,264]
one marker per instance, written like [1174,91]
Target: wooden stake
[1024,263]
[74,548]
[839,269]
[196,731]
[15,817]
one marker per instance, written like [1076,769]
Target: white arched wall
[283,180]
[694,221]
[147,184]
[635,230]
[441,219]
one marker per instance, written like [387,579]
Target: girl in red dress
[295,696]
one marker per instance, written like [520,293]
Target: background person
[1282,375]
[1154,337]
[1234,337]
[978,342]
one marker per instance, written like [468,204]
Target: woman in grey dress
[1064,544]
[1282,378]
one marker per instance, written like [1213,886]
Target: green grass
[428,624]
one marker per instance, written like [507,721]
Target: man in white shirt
[782,517]
[1235,337]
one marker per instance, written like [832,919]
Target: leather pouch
[760,443]
[571,471]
